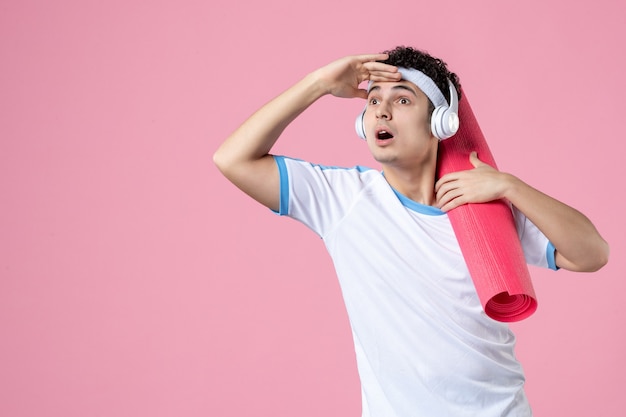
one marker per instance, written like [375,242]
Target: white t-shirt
[424,346]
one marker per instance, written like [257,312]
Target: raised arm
[244,158]
[579,246]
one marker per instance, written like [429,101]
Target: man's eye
[404,101]
[373,101]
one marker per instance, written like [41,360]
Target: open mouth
[383,135]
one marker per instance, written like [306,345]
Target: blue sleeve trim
[283,207]
[550,255]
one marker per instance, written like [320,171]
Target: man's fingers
[385,76]
[378,71]
[360,93]
[446,181]
[450,200]
[372,57]
[474,159]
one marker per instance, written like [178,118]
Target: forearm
[579,245]
[255,137]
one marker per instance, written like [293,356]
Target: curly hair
[435,68]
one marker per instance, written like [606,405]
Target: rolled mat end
[509,308]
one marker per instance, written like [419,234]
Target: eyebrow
[395,87]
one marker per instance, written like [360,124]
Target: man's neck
[418,184]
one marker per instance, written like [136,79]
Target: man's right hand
[342,77]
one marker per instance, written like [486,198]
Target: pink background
[135,281]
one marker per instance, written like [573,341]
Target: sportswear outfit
[423,344]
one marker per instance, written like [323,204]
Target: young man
[424,346]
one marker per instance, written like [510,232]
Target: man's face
[397,123]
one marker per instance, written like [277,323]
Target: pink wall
[135,281]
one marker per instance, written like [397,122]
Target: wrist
[316,84]
[512,186]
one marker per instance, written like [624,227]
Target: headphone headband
[424,83]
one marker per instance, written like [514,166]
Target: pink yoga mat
[486,232]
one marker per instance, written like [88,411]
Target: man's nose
[382,112]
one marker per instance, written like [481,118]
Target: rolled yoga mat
[486,232]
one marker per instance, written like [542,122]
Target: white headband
[424,82]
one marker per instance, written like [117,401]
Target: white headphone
[444,122]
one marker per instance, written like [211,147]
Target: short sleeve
[538,250]
[317,195]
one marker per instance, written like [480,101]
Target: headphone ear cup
[359,125]
[436,124]
[449,116]
[451,122]
[444,122]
